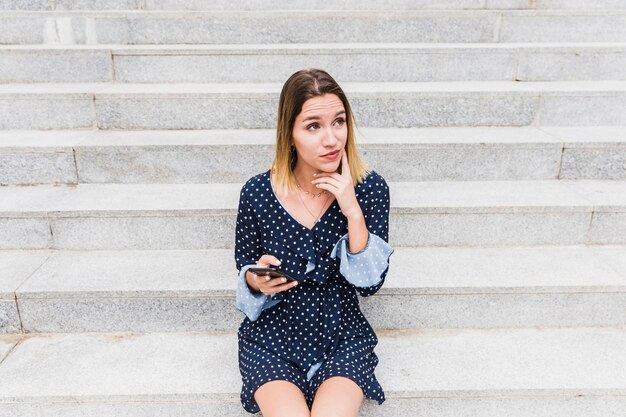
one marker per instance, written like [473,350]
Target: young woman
[321,217]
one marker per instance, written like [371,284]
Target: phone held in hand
[272,272]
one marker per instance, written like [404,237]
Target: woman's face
[320,133]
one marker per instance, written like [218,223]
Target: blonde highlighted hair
[300,87]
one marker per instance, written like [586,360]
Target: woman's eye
[340,122]
[312,126]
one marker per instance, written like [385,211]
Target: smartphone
[272,272]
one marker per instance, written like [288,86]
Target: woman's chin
[328,168]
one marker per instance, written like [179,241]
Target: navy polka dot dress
[314,330]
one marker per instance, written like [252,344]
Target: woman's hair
[300,87]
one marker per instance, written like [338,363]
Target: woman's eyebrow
[316,117]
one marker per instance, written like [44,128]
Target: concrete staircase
[500,126]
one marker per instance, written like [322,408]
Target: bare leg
[337,397]
[281,399]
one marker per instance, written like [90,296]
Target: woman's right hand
[265,284]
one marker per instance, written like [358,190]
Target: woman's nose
[329,138]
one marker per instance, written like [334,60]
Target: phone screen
[272,272]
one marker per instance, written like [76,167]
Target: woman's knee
[281,399]
[337,397]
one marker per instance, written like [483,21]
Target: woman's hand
[342,188]
[265,284]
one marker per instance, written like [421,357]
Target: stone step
[253,105]
[461,373]
[435,213]
[183,291]
[347,62]
[208,156]
[305,5]
[244,27]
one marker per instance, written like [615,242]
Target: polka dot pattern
[315,330]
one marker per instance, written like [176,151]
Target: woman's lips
[331,156]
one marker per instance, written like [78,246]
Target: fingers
[284,287]
[259,280]
[268,260]
[265,283]
[273,282]
[333,182]
[275,285]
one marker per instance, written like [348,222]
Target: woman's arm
[367,268]
[358,235]
[365,265]
[253,296]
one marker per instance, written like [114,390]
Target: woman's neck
[304,177]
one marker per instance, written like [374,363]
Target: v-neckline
[269,179]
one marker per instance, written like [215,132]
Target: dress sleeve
[247,252]
[367,269]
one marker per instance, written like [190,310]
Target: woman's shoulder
[256,184]
[372,192]
[372,183]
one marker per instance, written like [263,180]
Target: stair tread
[435,136]
[212,273]
[150,49]
[355,88]
[348,12]
[569,195]
[414,363]
[299,5]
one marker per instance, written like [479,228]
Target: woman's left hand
[342,188]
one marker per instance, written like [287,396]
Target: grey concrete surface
[188,230]
[596,153]
[301,4]
[233,156]
[478,234]
[378,62]
[24,233]
[366,63]
[556,4]
[37,168]
[563,26]
[505,367]
[38,157]
[177,291]
[271,26]
[146,216]
[19,65]
[608,228]
[252,106]
[9,318]
[15,268]
[573,110]
[7,342]
[398,154]
[570,64]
